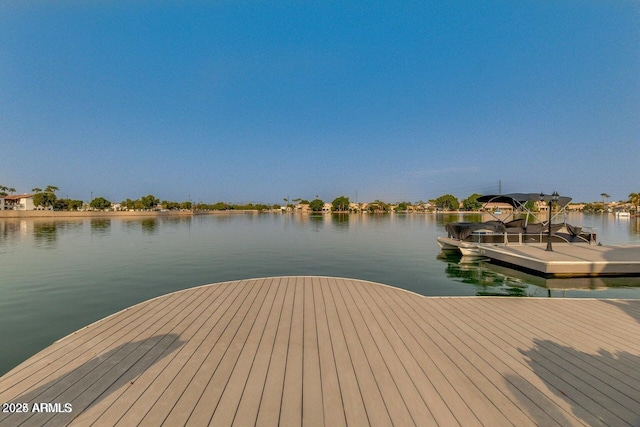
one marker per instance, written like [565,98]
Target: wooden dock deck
[330,351]
[568,260]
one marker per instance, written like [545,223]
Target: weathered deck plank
[353,404]
[331,351]
[249,404]
[270,404]
[312,411]
[497,356]
[387,375]
[570,370]
[332,402]
[158,378]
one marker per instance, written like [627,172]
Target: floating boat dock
[333,351]
[567,260]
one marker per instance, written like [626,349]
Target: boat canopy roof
[518,200]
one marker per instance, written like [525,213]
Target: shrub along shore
[110,214]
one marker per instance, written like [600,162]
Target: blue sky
[255,101]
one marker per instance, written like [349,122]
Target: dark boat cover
[518,199]
[462,230]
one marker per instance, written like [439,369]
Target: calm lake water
[60,275]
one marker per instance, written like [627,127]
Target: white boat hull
[467,249]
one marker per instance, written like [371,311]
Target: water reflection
[496,280]
[634,225]
[341,220]
[486,282]
[177,220]
[566,284]
[100,227]
[149,225]
[317,222]
[129,225]
[11,230]
[45,233]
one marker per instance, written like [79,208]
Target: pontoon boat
[519,227]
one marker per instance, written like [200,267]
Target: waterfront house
[575,206]
[498,206]
[19,202]
[302,208]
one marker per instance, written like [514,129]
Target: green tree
[3,190]
[100,203]
[172,206]
[44,199]
[340,204]
[74,205]
[378,206]
[149,202]
[61,205]
[471,203]
[220,206]
[532,206]
[316,205]
[447,202]
[590,207]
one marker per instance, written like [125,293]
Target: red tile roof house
[19,202]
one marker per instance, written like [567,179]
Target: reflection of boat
[519,227]
[566,283]
[623,214]
[498,280]
[486,282]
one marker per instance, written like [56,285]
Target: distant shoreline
[12,214]
[113,214]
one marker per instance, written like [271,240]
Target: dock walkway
[331,351]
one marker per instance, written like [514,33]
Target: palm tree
[604,196]
[37,190]
[51,189]
[11,190]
